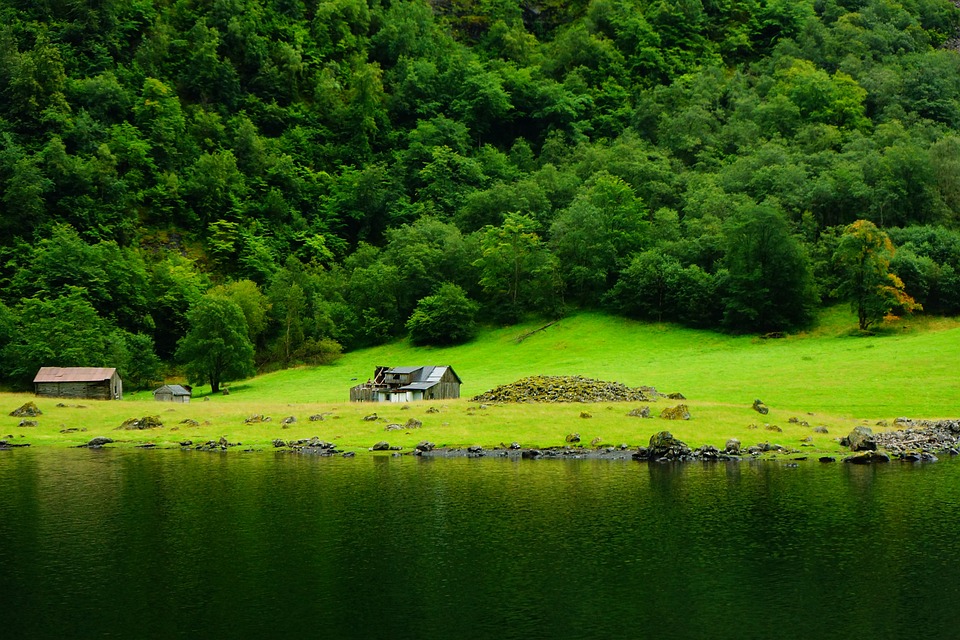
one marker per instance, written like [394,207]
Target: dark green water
[165,544]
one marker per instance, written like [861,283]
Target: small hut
[408,384]
[92,383]
[172,393]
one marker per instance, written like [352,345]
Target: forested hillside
[284,179]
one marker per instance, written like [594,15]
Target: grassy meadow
[828,376]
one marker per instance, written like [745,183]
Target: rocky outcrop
[566,389]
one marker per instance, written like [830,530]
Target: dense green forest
[279,180]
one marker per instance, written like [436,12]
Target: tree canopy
[328,165]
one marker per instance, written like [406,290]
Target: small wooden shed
[408,384]
[93,383]
[172,393]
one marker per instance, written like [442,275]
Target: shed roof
[74,374]
[175,389]
[417,386]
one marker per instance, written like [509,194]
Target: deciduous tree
[217,348]
[865,252]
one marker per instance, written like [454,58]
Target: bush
[446,317]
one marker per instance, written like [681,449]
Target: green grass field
[828,376]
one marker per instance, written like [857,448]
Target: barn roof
[175,389]
[427,373]
[74,374]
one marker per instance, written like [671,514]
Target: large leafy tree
[446,317]
[517,272]
[864,254]
[217,347]
[64,331]
[770,283]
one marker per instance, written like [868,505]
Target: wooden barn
[172,393]
[408,384]
[93,383]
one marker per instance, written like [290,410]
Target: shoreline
[917,441]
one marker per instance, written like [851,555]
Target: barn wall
[85,390]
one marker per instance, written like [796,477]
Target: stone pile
[566,389]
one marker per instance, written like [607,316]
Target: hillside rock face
[566,389]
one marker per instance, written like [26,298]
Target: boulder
[413,423]
[664,445]
[572,438]
[732,446]
[380,446]
[98,442]
[26,410]
[759,407]
[370,418]
[642,453]
[679,412]
[289,420]
[585,414]
[640,412]
[860,439]
[867,457]
[146,422]
[821,429]
[530,454]
[425,446]
[27,423]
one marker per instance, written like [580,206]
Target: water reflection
[165,544]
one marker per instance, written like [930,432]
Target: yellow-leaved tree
[864,253]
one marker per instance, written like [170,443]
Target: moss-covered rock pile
[566,389]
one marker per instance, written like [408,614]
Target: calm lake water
[165,544]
